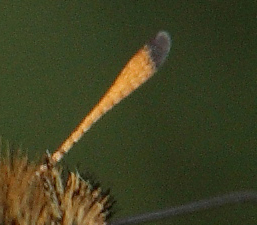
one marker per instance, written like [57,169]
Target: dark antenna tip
[159,47]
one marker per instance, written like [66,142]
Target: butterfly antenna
[138,70]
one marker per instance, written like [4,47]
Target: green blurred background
[188,134]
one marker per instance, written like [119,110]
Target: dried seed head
[46,199]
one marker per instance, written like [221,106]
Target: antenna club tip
[159,47]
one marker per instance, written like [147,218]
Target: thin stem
[230,198]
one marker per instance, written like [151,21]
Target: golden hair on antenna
[138,70]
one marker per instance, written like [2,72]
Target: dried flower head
[26,198]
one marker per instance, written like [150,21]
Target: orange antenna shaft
[138,70]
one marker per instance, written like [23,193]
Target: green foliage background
[189,133]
